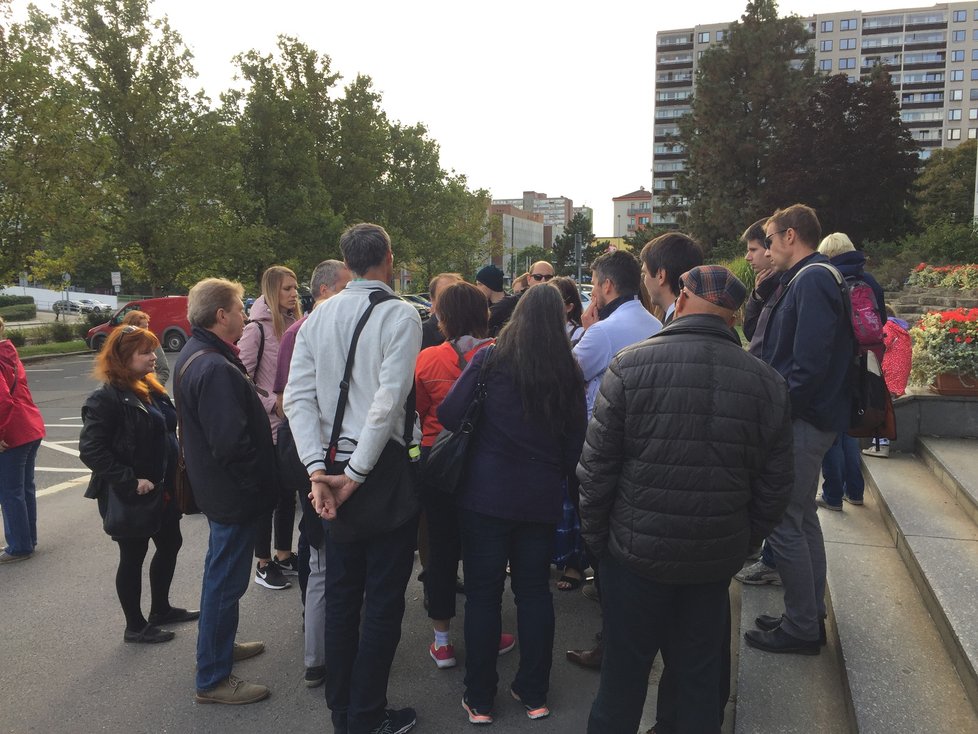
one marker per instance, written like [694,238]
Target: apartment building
[511,231]
[931,54]
[557,211]
[631,211]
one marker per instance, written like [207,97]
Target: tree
[851,158]
[564,245]
[748,93]
[946,186]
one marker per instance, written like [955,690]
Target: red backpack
[866,324]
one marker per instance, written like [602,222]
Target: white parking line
[62,449]
[57,470]
[64,425]
[41,369]
[63,486]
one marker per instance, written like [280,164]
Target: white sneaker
[880,451]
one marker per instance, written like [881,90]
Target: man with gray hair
[349,428]
[227,446]
[328,279]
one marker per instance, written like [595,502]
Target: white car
[89,305]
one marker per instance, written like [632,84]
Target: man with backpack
[808,340]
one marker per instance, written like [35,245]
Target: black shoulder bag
[446,463]
[387,497]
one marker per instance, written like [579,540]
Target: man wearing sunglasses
[540,272]
[808,340]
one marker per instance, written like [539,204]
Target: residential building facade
[930,52]
[557,211]
[512,230]
[632,211]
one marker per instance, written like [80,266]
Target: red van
[167,319]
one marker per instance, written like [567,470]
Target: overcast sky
[535,95]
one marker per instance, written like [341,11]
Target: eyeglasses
[540,276]
[767,240]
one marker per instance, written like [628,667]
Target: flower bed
[945,342]
[961,277]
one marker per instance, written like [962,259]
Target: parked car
[67,307]
[418,298]
[167,319]
[423,311]
[89,305]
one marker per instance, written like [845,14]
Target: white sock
[441,639]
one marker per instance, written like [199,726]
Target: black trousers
[129,576]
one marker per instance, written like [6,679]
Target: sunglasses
[767,240]
[538,277]
[125,331]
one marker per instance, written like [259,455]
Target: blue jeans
[370,575]
[842,471]
[18,498]
[227,571]
[640,616]
[487,544]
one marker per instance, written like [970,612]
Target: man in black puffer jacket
[687,465]
[230,458]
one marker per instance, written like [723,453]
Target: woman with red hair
[129,442]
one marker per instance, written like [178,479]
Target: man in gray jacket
[686,465]
[360,483]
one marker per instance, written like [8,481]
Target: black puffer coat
[688,458]
[227,441]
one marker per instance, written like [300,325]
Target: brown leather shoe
[245,650]
[587,658]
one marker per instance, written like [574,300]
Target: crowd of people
[636,437]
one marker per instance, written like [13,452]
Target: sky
[522,95]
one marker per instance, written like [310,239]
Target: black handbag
[131,515]
[446,463]
[388,497]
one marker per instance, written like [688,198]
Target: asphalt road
[65,668]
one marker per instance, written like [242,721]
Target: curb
[39,357]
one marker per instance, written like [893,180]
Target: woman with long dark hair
[129,441]
[275,311]
[526,445]
[573,307]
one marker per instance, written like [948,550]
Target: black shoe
[396,721]
[271,577]
[288,566]
[779,641]
[148,635]
[174,616]
[768,622]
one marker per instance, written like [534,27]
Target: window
[960,16]
[825,65]
[957,95]
[957,75]
[957,56]
[973,94]
[827,26]
[974,75]
[704,37]
[974,34]
[954,134]
[847,63]
[846,44]
[954,114]
[720,35]
[974,54]
[973,133]
[973,113]
[825,45]
[848,25]
[957,36]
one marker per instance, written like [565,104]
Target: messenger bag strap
[376,296]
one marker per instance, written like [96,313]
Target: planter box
[952,383]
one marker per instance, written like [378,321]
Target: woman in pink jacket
[21,431]
[271,314]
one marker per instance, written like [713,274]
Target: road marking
[57,470]
[70,441]
[63,486]
[36,369]
[69,418]
[64,425]
[62,449]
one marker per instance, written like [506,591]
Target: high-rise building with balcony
[931,54]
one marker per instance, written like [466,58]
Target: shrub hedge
[19,312]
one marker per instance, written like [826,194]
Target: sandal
[571,583]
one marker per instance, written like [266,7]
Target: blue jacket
[517,467]
[809,342]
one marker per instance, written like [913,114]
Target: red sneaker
[443,656]
[506,643]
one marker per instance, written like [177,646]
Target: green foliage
[726,250]
[8,300]
[17,337]
[945,188]
[80,330]
[61,331]
[961,277]
[945,341]
[742,269]
[945,241]
[565,262]
[32,350]
[21,312]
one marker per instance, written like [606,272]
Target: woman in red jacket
[21,431]
[463,315]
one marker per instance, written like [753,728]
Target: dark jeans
[444,551]
[487,544]
[18,498]
[372,575]
[667,700]
[283,519]
[842,471]
[641,616]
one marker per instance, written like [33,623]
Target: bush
[41,335]
[80,330]
[742,269]
[17,337]
[890,262]
[62,332]
[7,300]
[92,319]
[19,312]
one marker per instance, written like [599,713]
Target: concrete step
[954,461]
[938,542]
[786,693]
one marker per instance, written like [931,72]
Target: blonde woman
[271,314]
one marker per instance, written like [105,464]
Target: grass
[35,350]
